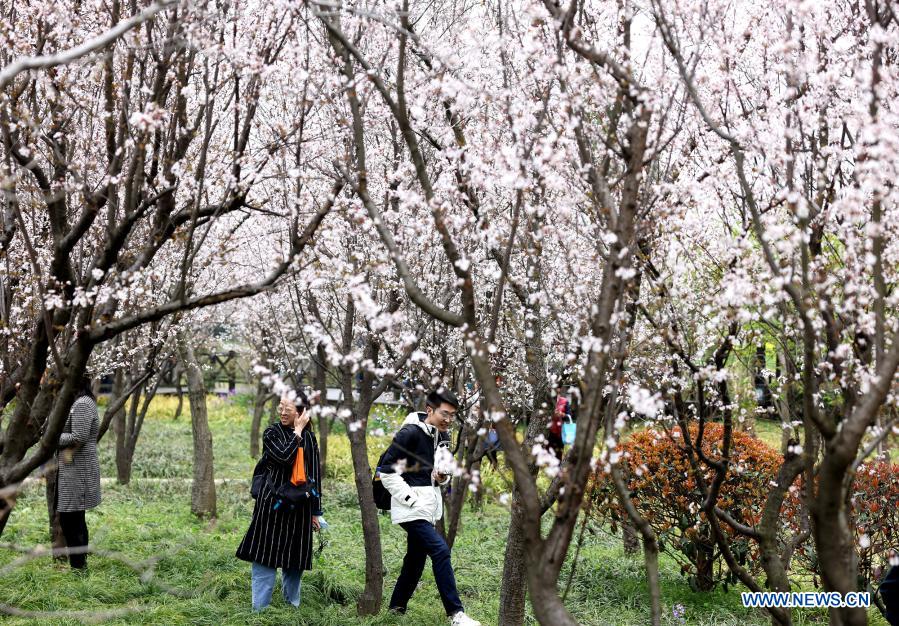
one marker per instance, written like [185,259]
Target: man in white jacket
[411,470]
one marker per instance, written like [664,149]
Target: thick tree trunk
[369,601]
[543,588]
[262,396]
[57,540]
[515,575]
[5,511]
[202,495]
[705,564]
[631,538]
[512,594]
[833,540]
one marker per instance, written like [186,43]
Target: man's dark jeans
[424,541]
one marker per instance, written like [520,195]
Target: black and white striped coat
[282,537]
[79,469]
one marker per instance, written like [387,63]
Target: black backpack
[380,493]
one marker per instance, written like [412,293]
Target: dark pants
[556,444]
[424,541]
[74,529]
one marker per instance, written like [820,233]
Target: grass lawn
[770,432]
[149,523]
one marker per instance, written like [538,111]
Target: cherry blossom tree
[794,121]
[538,182]
[132,174]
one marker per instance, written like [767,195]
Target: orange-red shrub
[665,490]
[875,513]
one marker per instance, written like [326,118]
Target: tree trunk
[321,385]
[123,455]
[273,410]
[455,503]
[469,461]
[650,546]
[834,543]
[369,602]
[202,494]
[515,575]
[262,396]
[6,507]
[176,375]
[512,594]
[705,564]
[542,586]
[57,541]
[631,538]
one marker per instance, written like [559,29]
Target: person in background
[889,594]
[411,472]
[554,435]
[280,532]
[78,485]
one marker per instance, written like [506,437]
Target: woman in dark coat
[78,485]
[280,533]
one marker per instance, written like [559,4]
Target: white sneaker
[461,619]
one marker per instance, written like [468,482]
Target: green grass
[770,432]
[149,522]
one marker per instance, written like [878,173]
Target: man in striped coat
[280,533]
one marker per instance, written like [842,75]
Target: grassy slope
[152,520]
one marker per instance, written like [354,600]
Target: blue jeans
[424,541]
[263,584]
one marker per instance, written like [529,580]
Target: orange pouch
[298,475]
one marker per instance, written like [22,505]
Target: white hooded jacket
[409,503]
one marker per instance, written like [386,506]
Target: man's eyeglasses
[447,415]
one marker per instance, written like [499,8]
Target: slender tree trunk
[262,396]
[456,502]
[321,385]
[179,390]
[202,495]
[477,499]
[650,546]
[273,410]
[123,457]
[457,496]
[369,602]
